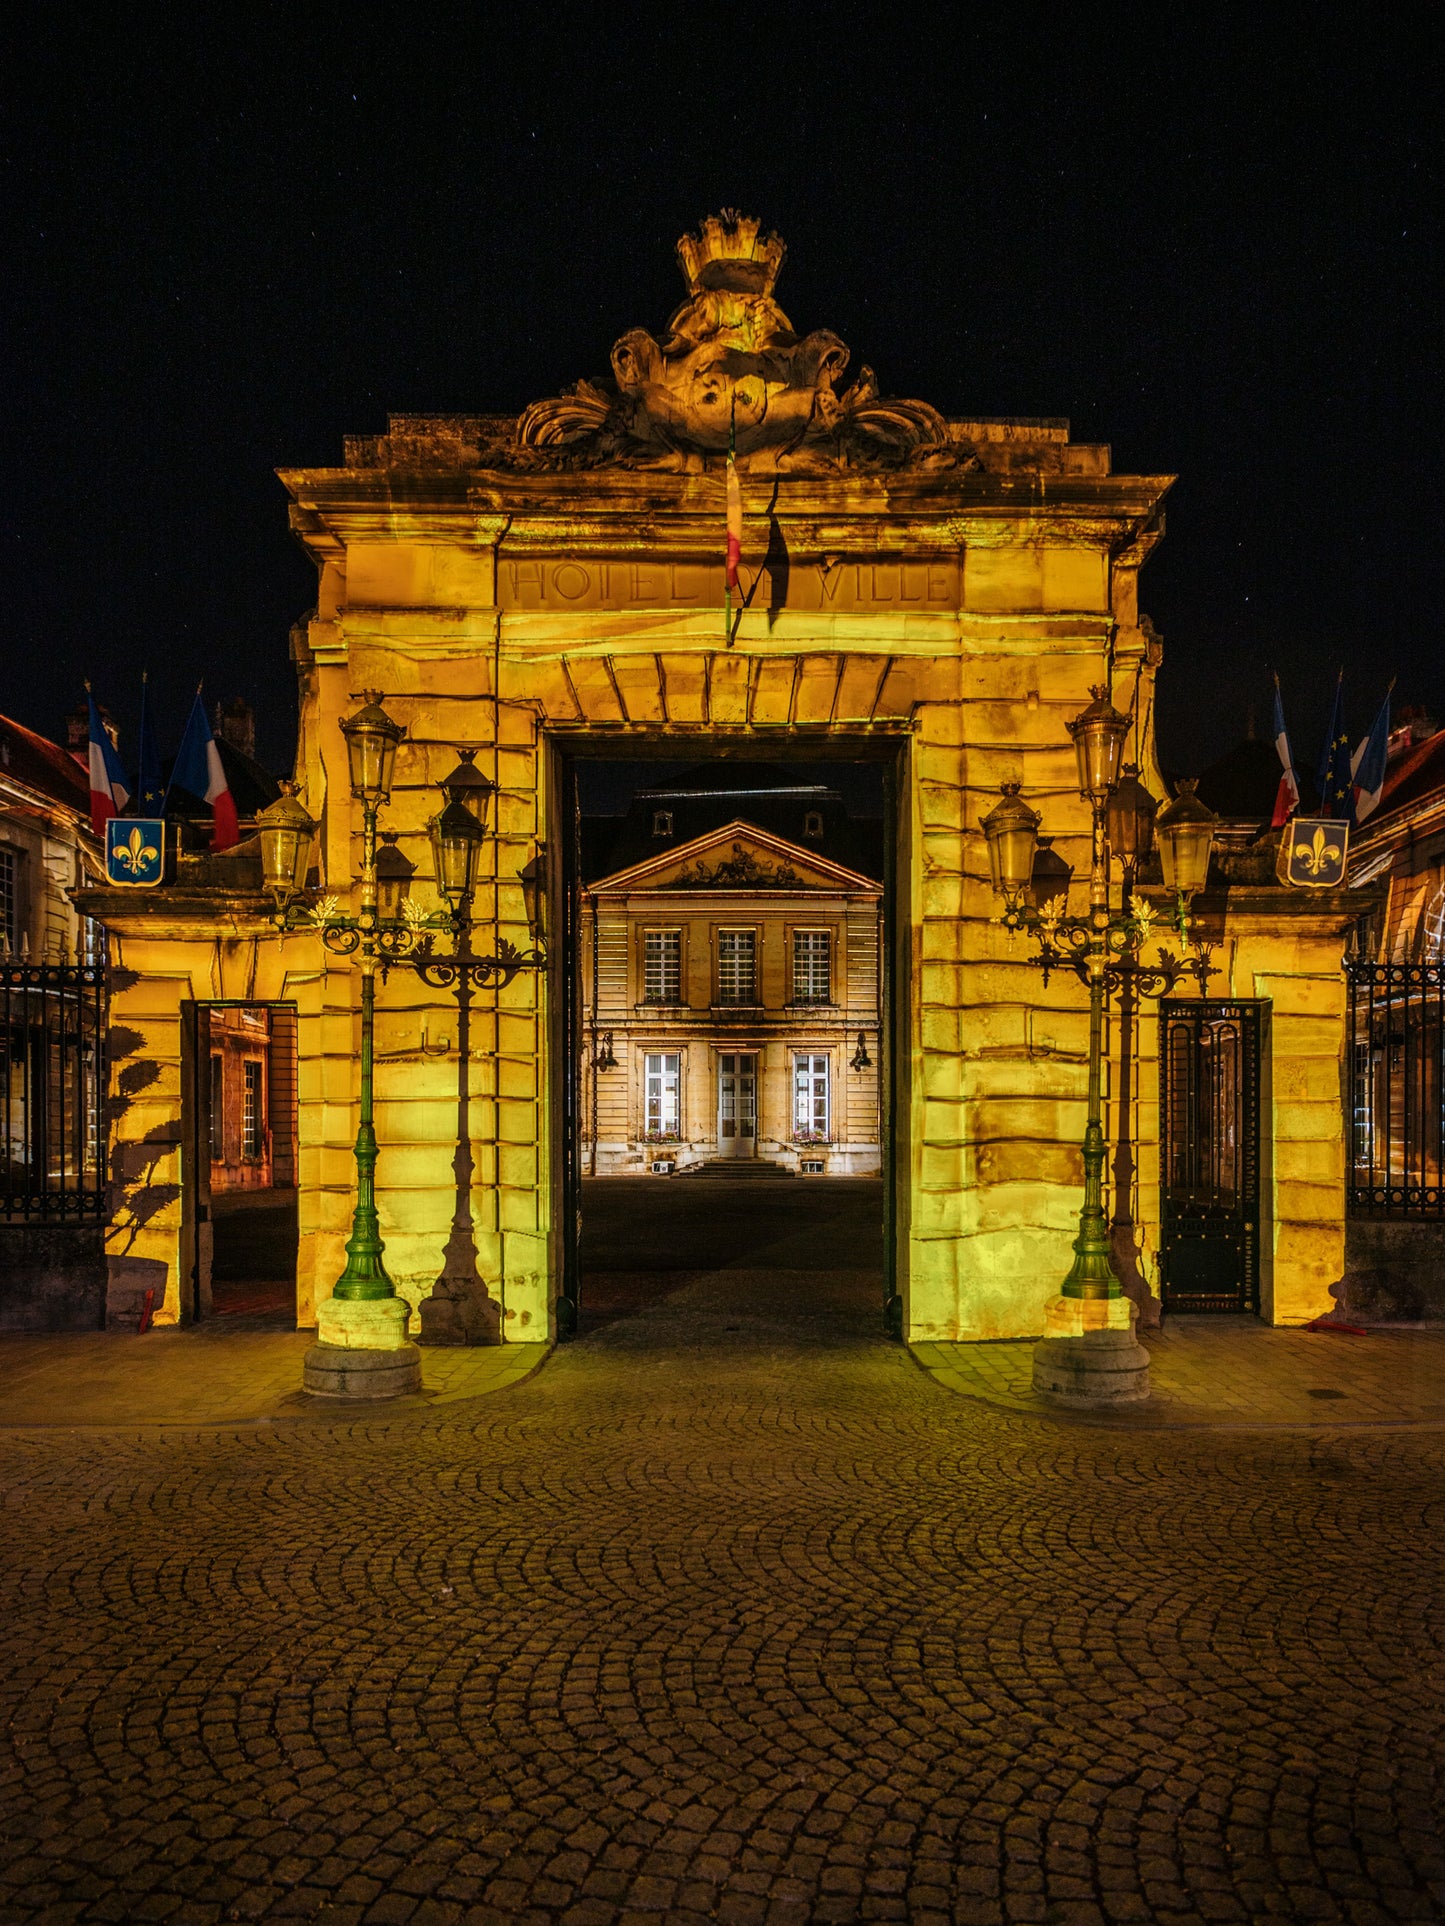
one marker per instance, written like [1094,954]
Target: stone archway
[514,585]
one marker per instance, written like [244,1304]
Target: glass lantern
[1184,829]
[1012,831]
[286,832]
[394,872]
[1129,815]
[456,841]
[371,739]
[468,786]
[1098,735]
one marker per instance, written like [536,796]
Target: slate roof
[42,765]
[775,797]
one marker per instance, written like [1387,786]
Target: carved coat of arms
[135,849]
[1312,853]
[731,367]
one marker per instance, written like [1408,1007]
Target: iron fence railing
[1395,1089]
[52,1092]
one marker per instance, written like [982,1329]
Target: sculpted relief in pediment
[730,368]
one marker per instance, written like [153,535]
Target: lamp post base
[345,1371]
[362,1350]
[1089,1358]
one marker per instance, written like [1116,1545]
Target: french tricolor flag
[198,771]
[108,792]
[1286,799]
[1369,763]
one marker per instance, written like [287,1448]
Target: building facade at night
[936,596]
[730,986]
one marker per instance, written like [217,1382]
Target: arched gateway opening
[730,926]
[723,553]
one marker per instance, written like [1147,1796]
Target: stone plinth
[362,1350]
[1088,1356]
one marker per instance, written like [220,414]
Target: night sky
[1204,240]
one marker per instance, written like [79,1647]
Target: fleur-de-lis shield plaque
[1312,853]
[135,851]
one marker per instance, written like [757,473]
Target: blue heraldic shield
[135,851]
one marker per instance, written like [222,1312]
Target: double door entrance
[737,1104]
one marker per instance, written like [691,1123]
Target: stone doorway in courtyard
[729,955]
[239,1164]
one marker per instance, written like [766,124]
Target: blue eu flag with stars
[1336,776]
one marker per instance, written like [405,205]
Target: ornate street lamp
[1099,1361]
[362,1349]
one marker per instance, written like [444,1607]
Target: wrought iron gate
[52,1091]
[1209,1109]
[1397,1089]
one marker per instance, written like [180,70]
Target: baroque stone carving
[732,365]
[741,870]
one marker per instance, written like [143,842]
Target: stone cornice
[624,513]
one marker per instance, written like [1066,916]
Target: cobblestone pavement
[730,1612]
[1207,1371]
[229,1370]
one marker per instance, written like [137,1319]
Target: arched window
[662,822]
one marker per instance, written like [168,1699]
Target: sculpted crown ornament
[726,253]
[730,367]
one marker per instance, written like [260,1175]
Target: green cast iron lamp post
[1104,947]
[387,931]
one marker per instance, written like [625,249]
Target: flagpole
[727,570]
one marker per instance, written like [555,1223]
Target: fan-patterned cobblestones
[730,1613]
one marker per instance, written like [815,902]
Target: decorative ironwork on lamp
[860,1059]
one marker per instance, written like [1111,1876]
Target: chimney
[235,722]
[77,730]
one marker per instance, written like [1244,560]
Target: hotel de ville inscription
[806,588]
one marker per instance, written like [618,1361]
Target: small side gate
[1209,1162]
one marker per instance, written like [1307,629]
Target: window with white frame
[662,1079]
[662,966]
[812,966]
[737,966]
[810,1099]
[252,1119]
[9,899]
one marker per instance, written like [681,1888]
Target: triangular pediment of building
[739,856]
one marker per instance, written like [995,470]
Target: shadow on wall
[1394,1272]
[135,1199]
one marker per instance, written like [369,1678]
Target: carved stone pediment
[740,870]
[731,365]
